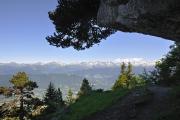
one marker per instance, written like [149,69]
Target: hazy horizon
[117,60]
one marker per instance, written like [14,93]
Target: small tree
[23,87]
[50,94]
[136,81]
[85,88]
[121,82]
[70,99]
[53,98]
[59,99]
[129,74]
[123,68]
[125,77]
[149,77]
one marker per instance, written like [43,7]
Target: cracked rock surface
[153,17]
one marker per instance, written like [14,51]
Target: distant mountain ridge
[101,74]
[56,67]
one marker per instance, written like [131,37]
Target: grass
[93,103]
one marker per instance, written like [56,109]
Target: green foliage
[20,80]
[127,79]
[123,68]
[31,85]
[85,88]
[70,99]
[124,77]
[53,98]
[2,89]
[149,77]
[96,101]
[168,69]
[22,89]
[50,94]
[59,99]
[5,91]
[121,82]
[76,24]
[137,81]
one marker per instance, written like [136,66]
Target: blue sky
[24,24]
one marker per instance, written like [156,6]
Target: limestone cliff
[154,17]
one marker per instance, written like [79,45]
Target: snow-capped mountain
[119,61]
[56,67]
[101,74]
[136,61]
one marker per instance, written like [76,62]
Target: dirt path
[141,104]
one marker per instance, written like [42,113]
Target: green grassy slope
[97,101]
[87,105]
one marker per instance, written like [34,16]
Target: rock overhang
[153,17]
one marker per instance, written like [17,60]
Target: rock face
[153,17]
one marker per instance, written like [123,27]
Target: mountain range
[101,74]
[56,67]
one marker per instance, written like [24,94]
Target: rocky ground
[141,104]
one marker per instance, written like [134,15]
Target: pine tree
[69,97]
[123,68]
[23,87]
[121,81]
[125,77]
[85,88]
[129,74]
[74,21]
[50,95]
[59,99]
[53,98]
[168,68]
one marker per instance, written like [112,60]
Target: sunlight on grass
[97,101]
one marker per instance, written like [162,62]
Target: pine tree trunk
[21,115]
